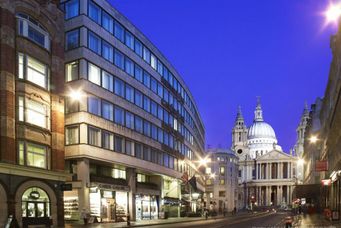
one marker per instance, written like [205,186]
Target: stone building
[221,180]
[132,126]
[267,175]
[31,112]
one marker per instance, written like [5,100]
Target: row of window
[103,48]
[129,67]
[101,17]
[124,90]
[110,141]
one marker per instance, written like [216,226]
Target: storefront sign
[66,187]
[34,195]
[326,182]
[113,187]
[321,166]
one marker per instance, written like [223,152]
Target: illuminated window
[107,140]
[72,135]
[94,74]
[34,155]
[222,182]
[71,71]
[208,170]
[94,136]
[141,177]
[222,170]
[33,71]
[34,112]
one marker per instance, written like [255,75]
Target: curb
[202,219]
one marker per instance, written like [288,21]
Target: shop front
[108,204]
[147,207]
[171,206]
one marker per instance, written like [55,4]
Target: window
[119,59]
[94,42]
[107,140]
[171,162]
[118,173]
[34,155]
[129,67]
[146,104]
[160,112]
[141,177]
[129,147]
[146,55]
[146,128]
[153,107]
[222,194]
[71,9]
[94,137]
[153,85]
[138,99]
[222,170]
[138,124]
[71,105]
[119,116]
[72,135]
[107,22]
[222,182]
[138,48]
[129,120]
[94,12]
[119,87]
[208,170]
[138,150]
[146,153]
[160,90]
[71,71]
[94,105]
[146,79]
[33,71]
[138,74]
[160,135]
[72,39]
[129,40]
[129,93]
[154,132]
[94,74]
[107,51]
[153,61]
[107,110]
[209,182]
[159,67]
[107,81]
[34,112]
[118,144]
[119,32]
[166,159]
[31,29]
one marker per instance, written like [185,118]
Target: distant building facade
[31,112]
[221,180]
[267,175]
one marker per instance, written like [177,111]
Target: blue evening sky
[230,52]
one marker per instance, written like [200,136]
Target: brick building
[31,111]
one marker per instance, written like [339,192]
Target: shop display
[71,210]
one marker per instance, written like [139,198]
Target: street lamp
[333,13]
[76,95]
[203,161]
[300,162]
[212,175]
[313,139]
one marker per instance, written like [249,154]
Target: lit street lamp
[333,13]
[76,95]
[313,139]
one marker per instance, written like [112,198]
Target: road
[267,220]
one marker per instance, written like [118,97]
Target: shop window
[71,71]
[71,135]
[33,112]
[35,203]
[34,71]
[34,155]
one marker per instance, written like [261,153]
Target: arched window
[33,30]
[35,203]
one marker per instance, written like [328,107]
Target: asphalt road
[267,220]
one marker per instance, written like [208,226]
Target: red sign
[321,166]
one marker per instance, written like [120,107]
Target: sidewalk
[145,223]
[314,220]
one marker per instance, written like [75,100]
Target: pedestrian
[84,216]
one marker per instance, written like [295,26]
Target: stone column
[260,170]
[131,179]
[83,174]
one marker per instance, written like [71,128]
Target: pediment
[275,155]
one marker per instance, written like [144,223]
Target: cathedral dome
[261,129]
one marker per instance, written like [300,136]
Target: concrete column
[131,179]
[260,170]
[257,165]
[83,174]
[278,170]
